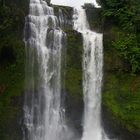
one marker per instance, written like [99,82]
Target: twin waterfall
[44,112]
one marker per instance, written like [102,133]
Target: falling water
[92,76]
[44,115]
[43,112]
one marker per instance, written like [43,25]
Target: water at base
[92,77]
[44,116]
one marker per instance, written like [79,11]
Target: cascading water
[92,76]
[43,112]
[44,115]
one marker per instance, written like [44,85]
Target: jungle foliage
[12,14]
[124,15]
[121,90]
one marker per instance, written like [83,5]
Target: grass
[121,96]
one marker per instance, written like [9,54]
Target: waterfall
[92,76]
[44,115]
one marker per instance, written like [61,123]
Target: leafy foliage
[122,89]
[12,15]
[11,21]
[125,14]
[128,48]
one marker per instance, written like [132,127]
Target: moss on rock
[74,63]
[121,92]
[73,77]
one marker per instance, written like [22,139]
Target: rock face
[73,79]
[72,70]
[94,17]
[48,1]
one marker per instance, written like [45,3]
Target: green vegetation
[122,100]
[122,59]
[121,92]
[11,89]
[74,65]
[12,14]
[73,78]
[124,17]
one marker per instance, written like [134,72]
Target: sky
[73,3]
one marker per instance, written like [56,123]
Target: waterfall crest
[44,116]
[92,76]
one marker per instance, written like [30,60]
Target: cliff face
[12,14]
[94,17]
[121,89]
[73,69]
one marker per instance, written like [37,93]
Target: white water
[92,77]
[43,113]
[44,116]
